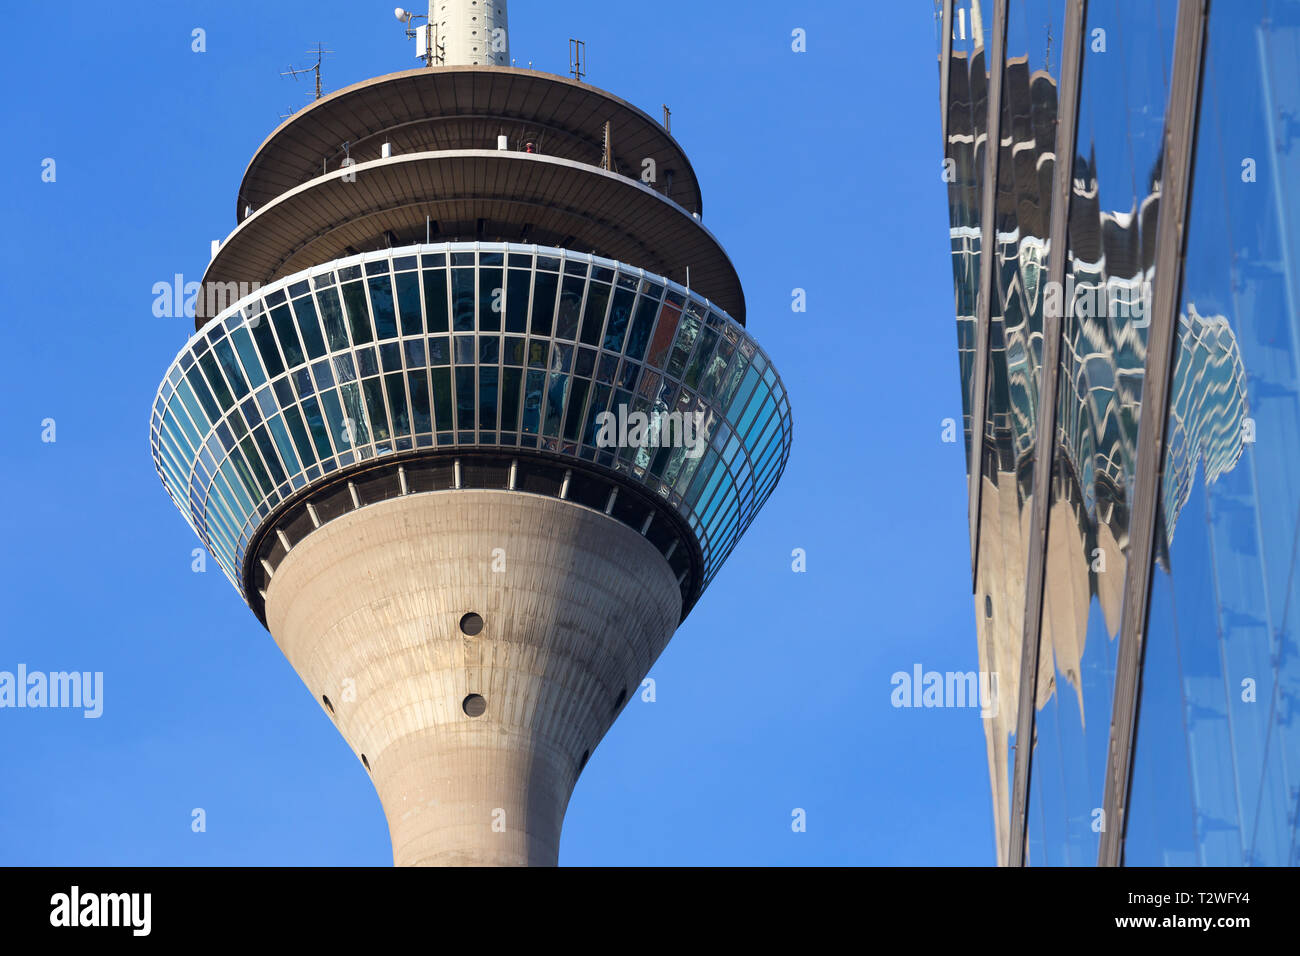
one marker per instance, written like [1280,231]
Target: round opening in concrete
[365,763]
[471,624]
[328,705]
[474,705]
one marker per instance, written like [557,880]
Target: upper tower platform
[467,107]
[472,153]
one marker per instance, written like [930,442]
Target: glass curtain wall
[967,123]
[1026,166]
[1124,86]
[1216,775]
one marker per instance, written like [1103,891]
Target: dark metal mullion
[1067,123]
[945,60]
[994,55]
[1171,238]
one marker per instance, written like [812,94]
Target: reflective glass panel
[1109,270]
[1216,773]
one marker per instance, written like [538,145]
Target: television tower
[470,420]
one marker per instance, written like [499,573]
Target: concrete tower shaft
[472,32]
[575,609]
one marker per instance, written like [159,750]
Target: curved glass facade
[468,345]
[1110,269]
[1162,631]
[1007,436]
[1216,775]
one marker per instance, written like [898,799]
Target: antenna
[577,58]
[607,157]
[429,46]
[321,53]
[668,119]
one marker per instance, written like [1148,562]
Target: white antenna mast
[460,32]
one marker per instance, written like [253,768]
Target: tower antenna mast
[428,45]
[321,53]
[577,58]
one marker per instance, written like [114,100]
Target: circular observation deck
[433,368]
[472,195]
[467,107]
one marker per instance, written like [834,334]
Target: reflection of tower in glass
[1108,274]
[393,447]
[1208,409]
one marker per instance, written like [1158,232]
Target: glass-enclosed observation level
[464,359]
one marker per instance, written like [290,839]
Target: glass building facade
[467,346]
[1130,366]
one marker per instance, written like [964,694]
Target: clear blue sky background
[820,170]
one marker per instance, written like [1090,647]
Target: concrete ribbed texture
[367,609]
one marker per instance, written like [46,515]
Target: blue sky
[821,171]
